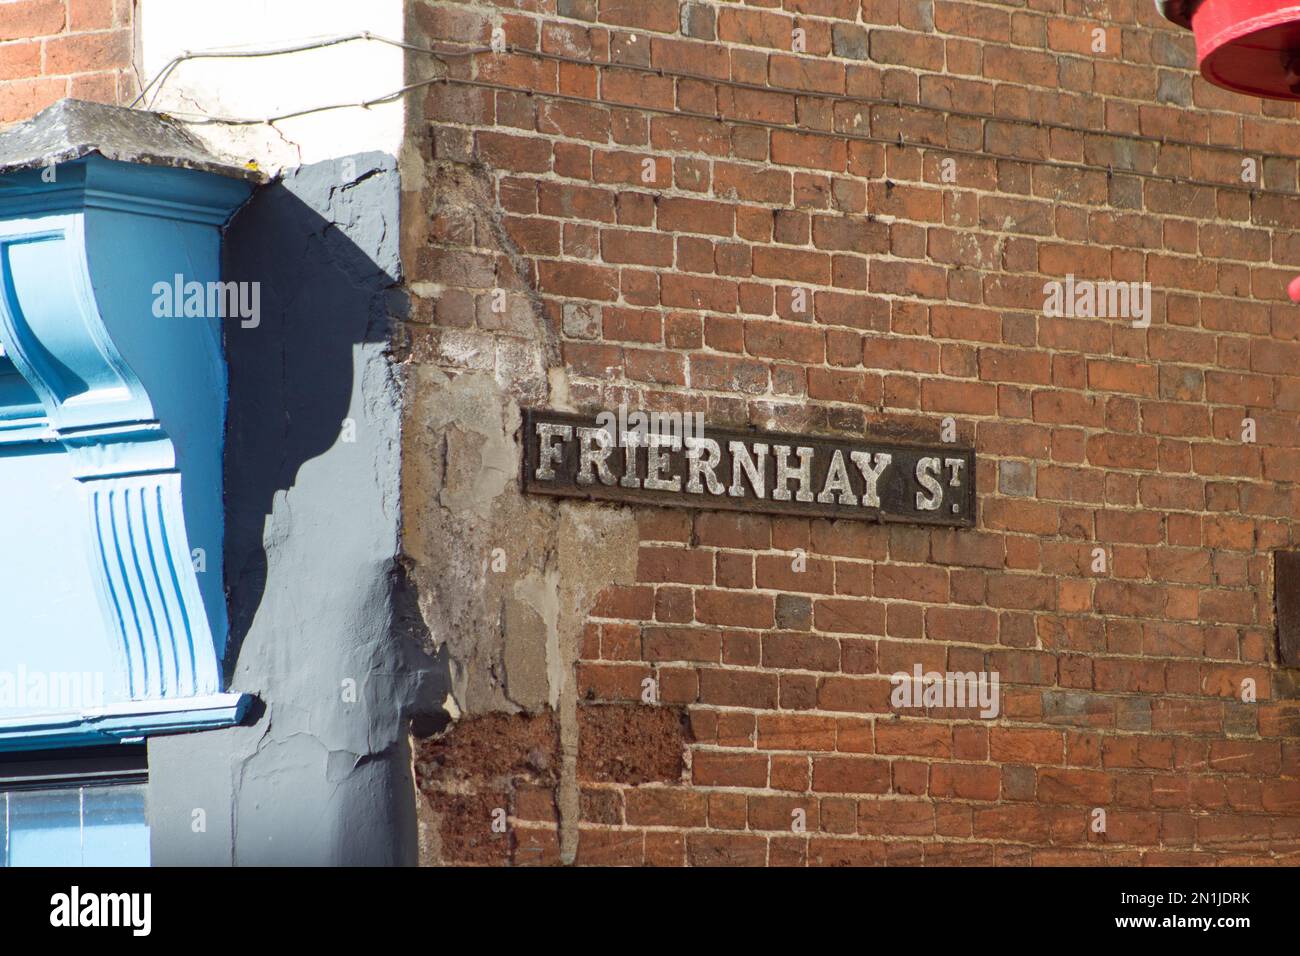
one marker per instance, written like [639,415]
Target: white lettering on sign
[734,470]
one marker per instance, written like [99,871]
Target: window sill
[129,721]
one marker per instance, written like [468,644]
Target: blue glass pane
[71,826]
[115,833]
[45,828]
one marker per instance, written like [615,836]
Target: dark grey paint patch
[312,539]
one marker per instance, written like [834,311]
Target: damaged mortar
[502,583]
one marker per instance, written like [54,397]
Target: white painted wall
[271,86]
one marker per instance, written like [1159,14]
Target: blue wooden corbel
[112,420]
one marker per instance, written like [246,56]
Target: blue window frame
[74,809]
[111,448]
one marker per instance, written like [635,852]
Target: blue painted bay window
[112,423]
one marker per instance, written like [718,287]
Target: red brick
[713,769]
[23,19]
[850,775]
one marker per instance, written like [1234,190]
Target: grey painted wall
[313,515]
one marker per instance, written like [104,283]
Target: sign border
[749,504]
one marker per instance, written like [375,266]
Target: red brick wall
[50,49]
[1121,690]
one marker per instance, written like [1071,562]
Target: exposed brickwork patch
[492,747]
[631,744]
[495,768]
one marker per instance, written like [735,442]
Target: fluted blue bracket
[112,419]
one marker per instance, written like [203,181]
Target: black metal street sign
[667,462]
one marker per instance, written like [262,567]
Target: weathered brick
[923,277]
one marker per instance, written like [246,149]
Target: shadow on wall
[312,479]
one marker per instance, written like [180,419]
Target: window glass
[114,832]
[44,827]
[101,825]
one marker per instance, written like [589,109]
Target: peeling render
[504,582]
[321,632]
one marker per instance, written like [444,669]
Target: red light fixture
[1247,46]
